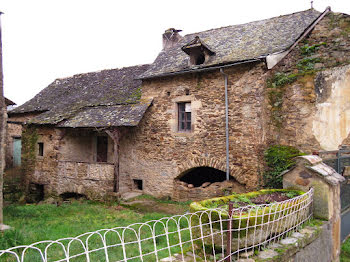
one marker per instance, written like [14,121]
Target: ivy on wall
[29,141]
[278,158]
[276,85]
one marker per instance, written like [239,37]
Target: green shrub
[278,158]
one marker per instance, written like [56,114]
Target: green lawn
[345,251]
[33,223]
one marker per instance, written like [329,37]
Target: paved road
[345,224]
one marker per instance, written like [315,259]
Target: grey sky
[48,39]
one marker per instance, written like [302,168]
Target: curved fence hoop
[202,233]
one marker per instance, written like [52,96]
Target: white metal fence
[209,235]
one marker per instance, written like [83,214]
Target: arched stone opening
[210,161]
[203,182]
[203,176]
[72,195]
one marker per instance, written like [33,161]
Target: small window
[138,183]
[184,116]
[198,59]
[102,149]
[41,149]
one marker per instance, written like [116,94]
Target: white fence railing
[211,235]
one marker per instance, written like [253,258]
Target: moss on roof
[237,42]
[75,96]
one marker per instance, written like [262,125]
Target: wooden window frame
[186,120]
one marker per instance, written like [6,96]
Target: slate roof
[104,98]
[315,164]
[236,43]
[9,102]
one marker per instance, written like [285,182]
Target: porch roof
[105,116]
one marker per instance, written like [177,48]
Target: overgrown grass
[33,223]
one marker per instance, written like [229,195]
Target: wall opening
[35,193]
[199,59]
[138,184]
[41,149]
[204,182]
[200,175]
[71,195]
[102,149]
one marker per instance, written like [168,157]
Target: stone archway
[202,178]
[235,171]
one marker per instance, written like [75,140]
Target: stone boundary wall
[309,172]
[310,244]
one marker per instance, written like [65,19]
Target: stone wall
[314,111]
[60,175]
[312,243]
[157,152]
[309,172]
[14,130]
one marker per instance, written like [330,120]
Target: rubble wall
[14,130]
[314,111]
[60,175]
[157,153]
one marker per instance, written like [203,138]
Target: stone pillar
[311,172]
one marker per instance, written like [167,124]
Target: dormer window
[198,51]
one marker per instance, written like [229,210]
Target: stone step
[130,195]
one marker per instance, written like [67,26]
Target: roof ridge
[219,28]
[98,71]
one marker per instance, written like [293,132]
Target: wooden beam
[115,134]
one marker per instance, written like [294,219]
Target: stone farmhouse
[204,111]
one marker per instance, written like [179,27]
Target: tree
[3,117]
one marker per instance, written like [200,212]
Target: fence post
[229,232]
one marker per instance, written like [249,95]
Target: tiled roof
[236,43]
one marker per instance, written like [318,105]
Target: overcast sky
[48,39]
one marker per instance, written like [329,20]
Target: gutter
[15,122]
[226,126]
[195,70]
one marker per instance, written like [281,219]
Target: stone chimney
[171,37]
